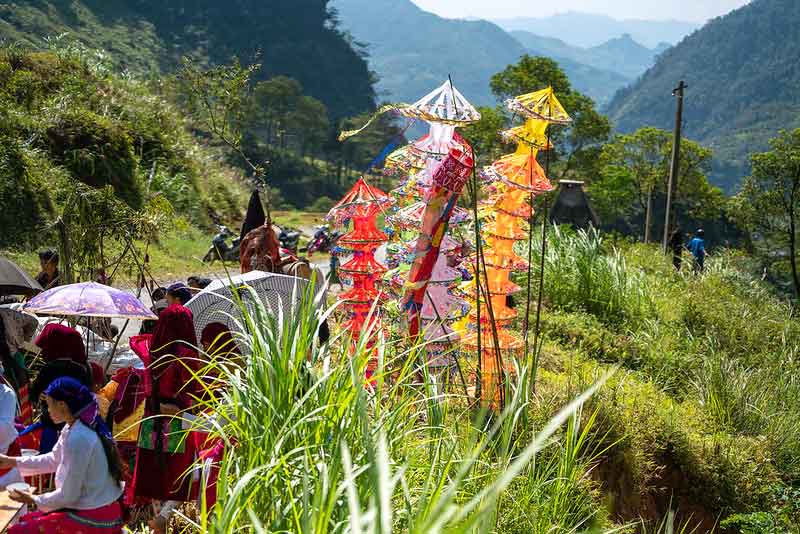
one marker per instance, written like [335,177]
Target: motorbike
[220,249]
[323,240]
[289,240]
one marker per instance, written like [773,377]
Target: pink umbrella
[89,299]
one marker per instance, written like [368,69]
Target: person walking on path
[697,246]
[676,246]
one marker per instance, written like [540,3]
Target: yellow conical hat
[542,105]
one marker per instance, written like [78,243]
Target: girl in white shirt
[8,432]
[88,471]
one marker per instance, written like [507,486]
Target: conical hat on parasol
[438,142]
[531,134]
[542,105]
[519,170]
[410,217]
[445,104]
[403,160]
[362,200]
[513,201]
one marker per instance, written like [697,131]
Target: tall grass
[315,448]
[583,274]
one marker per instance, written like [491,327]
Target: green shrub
[97,151]
[25,205]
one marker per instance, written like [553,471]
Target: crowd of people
[96,446]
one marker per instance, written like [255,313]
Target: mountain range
[622,55]
[742,71]
[412,51]
[587,30]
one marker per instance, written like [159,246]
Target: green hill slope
[742,72]
[65,119]
[295,38]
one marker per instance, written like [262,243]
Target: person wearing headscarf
[88,472]
[58,341]
[178,293]
[218,343]
[64,354]
[163,456]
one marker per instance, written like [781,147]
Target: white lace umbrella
[279,293]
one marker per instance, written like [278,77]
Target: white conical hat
[444,104]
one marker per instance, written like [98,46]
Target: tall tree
[578,145]
[483,135]
[634,169]
[769,202]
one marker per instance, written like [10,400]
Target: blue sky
[689,10]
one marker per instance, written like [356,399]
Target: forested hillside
[309,80]
[153,35]
[743,74]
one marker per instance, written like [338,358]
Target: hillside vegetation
[151,36]
[413,51]
[64,119]
[742,73]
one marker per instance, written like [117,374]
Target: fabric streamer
[448,182]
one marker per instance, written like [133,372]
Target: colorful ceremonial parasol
[361,205]
[448,182]
[514,179]
[89,299]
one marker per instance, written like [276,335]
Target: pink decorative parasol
[89,299]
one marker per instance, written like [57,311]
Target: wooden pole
[672,184]
[474,184]
[543,251]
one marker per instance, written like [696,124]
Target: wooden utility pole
[672,185]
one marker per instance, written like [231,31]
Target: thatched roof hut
[572,206]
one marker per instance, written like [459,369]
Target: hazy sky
[689,10]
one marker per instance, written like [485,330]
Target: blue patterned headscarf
[80,401]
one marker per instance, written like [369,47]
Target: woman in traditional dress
[163,455]
[64,354]
[58,341]
[88,472]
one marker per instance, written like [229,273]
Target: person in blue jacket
[697,246]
